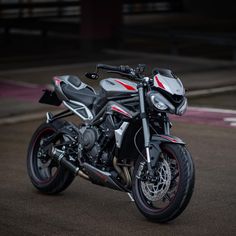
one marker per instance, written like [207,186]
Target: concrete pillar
[100,23]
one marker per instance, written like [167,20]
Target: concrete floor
[86,209]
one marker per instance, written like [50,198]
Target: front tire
[45,173]
[166,198]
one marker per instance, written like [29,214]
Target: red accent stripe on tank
[119,110]
[127,86]
[159,83]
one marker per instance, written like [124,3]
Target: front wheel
[164,196]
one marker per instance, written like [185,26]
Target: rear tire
[165,199]
[46,174]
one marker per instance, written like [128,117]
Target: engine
[90,143]
[95,141]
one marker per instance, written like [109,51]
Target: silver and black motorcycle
[122,140]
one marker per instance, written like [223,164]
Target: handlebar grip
[125,69]
[108,67]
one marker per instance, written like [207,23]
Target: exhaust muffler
[102,178]
[60,157]
[93,174]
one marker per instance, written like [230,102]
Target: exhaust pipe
[102,178]
[59,156]
[95,175]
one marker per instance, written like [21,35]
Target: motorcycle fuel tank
[113,87]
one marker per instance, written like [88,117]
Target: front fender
[161,138]
[155,145]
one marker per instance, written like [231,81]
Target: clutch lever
[128,75]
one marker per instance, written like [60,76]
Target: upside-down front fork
[146,130]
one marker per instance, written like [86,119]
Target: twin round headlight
[158,104]
[163,104]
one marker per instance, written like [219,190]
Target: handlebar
[134,74]
[122,69]
[107,67]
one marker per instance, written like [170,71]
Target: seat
[84,95]
[74,80]
[100,101]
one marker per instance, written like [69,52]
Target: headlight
[161,103]
[158,104]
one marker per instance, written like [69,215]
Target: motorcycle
[122,141]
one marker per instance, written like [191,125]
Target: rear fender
[155,145]
[50,98]
[56,96]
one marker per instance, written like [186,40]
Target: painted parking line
[210,116]
[231,120]
[20,90]
[201,92]
[198,115]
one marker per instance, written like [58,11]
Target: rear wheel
[45,173]
[164,196]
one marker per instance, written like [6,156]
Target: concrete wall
[221,9]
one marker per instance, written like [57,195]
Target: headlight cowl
[181,109]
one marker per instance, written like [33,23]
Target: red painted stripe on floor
[21,92]
[194,115]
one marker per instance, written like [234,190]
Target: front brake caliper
[140,170]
